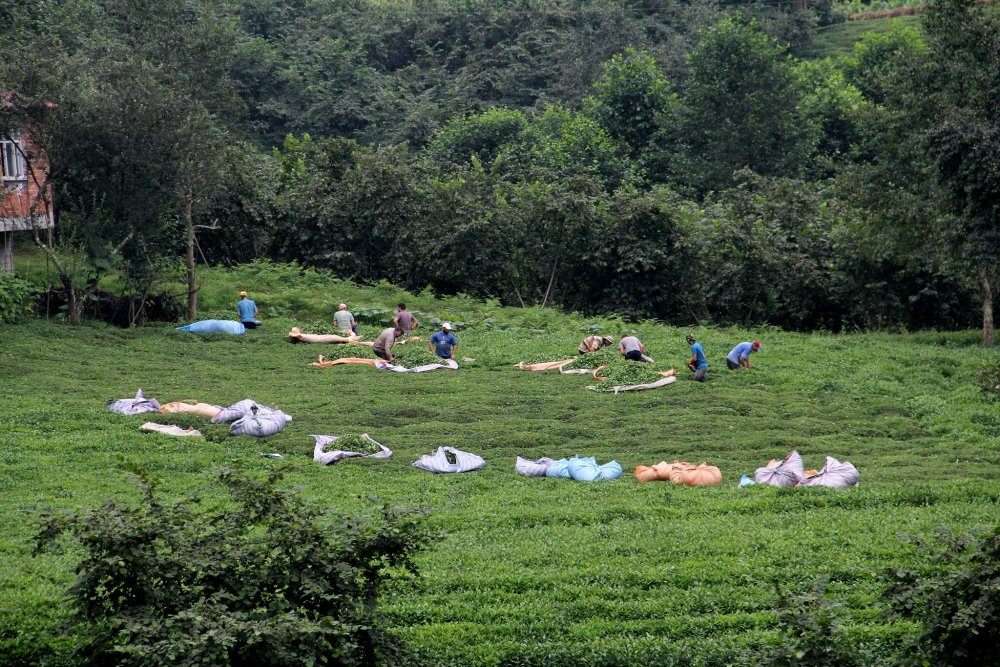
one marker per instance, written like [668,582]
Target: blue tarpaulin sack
[214,326]
[584,470]
[558,468]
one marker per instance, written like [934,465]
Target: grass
[838,39]
[527,571]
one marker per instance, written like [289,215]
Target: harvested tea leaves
[357,443]
[626,374]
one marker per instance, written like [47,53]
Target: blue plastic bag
[214,326]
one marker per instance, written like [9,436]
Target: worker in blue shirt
[443,343]
[247,310]
[739,356]
[697,362]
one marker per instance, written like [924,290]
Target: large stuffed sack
[214,326]
[193,407]
[238,410]
[701,475]
[439,461]
[530,468]
[785,473]
[259,423]
[835,475]
[134,406]
[335,455]
[584,469]
[646,474]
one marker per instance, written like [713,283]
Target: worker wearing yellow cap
[247,310]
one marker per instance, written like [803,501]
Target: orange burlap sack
[646,474]
[701,475]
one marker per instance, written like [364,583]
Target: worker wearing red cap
[740,355]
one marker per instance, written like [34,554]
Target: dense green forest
[659,159]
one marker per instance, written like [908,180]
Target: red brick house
[20,179]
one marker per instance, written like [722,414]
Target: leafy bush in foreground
[957,600]
[989,377]
[266,581]
[811,633]
[17,299]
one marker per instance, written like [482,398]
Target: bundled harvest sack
[700,475]
[438,461]
[134,406]
[237,410]
[214,326]
[530,468]
[168,429]
[193,407]
[785,473]
[584,469]
[259,423]
[680,472]
[336,455]
[835,475]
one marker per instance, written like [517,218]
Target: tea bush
[955,597]
[265,581]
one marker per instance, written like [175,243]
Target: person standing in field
[697,362]
[594,343]
[632,349]
[344,320]
[739,356]
[404,319]
[443,343]
[247,310]
[382,347]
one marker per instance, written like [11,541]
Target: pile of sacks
[246,417]
[680,472]
[790,472]
[584,469]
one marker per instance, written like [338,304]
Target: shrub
[956,598]
[18,299]
[263,581]
[989,377]
[811,633]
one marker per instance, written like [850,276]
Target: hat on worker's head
[446,325]
[608,339]
[756,345]
[342,306]
[690,338]
[243,293]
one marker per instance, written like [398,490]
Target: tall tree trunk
[192,287]
[987,292]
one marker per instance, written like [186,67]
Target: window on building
[11,159]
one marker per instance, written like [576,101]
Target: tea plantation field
[526,571]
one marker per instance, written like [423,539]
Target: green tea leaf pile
[627,373]
[355,443]
[606,355]
[414,354]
